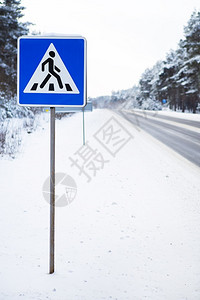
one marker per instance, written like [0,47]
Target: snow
[178,114]
[132,232]
[12,132]
[155,115]
[171,113]
[196,58]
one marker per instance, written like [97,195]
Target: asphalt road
[185,141]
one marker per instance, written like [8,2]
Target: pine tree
[146,84]
[168,83]
[192,61]
[10,30]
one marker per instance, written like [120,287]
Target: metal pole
[52,190]
[83,128]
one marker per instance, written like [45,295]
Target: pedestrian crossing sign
[52,71]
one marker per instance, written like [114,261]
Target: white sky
[124,37]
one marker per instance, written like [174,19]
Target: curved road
[183,140]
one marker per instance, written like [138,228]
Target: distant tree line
[176,79]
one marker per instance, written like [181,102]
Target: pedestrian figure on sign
[52,69]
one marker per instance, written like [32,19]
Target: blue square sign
[51,71]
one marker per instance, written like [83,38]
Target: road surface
[181,135]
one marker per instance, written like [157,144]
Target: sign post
[52,72]
[52,191]
[83,128]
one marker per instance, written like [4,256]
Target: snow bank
[170,113]
[185,115]
[13,130]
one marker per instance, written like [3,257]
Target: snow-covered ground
[132,231]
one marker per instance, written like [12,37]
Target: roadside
[132,232]
[170,113]
[170,119]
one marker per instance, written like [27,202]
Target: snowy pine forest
[175,79]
